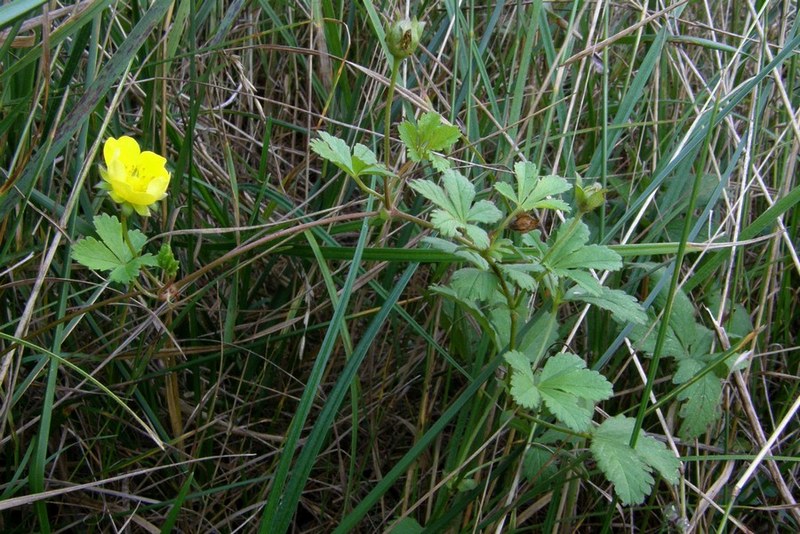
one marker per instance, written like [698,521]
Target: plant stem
[387,126]
[123,219]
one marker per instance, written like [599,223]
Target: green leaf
[456,214]
[586,281]
[532,190]
[110,231]
[471,307]
[702,399]
[334,150]
[567,387]
[474,283]
[361,161]
[569,390]
[426,136]
[539,464]
[629,469]
[407,525]
[111,253]
[523,389]
[518,274]
[365,162]
[645,340]
[693,342]
[570,251]
[623,307]
[451,248]
[94,255]
[483,211]
[542,333]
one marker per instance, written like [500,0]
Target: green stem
[387,125]
[123,218]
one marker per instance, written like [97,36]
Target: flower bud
[590,198]
[403,37]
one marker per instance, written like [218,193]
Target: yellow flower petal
[125,149]
[134,178]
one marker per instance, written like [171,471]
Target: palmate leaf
[532,190]
[701,400]
[360,161]
[429,134]
[523,388]
[517,273]
[455,213]
[111,253]
[474,283]
[570,390]
[570,251]
[567,387]
[629,469]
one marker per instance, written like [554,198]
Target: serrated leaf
[540,335]
[523,390]
[334,150]
[366,163]
[477,235]
[589,257]
[128,272]
[645,340]
[484,211]
[586,281]
[622,306]
[432,192]
[428,135]
[460,191]
[569,390]
[701,400]
[439,163]
[567,372]
[532,190]
[518,274]
[629,469]
[451,248]
[455,212]
[358,162]
[505,189]
[474,283]
[112,253]
[445,222]
[539,464]
[110,231]
[94,254]
[570,251]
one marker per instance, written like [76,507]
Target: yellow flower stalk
[133,178]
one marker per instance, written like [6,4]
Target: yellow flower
[133,178]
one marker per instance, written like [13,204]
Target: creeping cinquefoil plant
[136,180]
[513,283]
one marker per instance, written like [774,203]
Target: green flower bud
[403,37]
[590,198]
[166,260]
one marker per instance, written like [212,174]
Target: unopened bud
[403,37]
[590,198]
